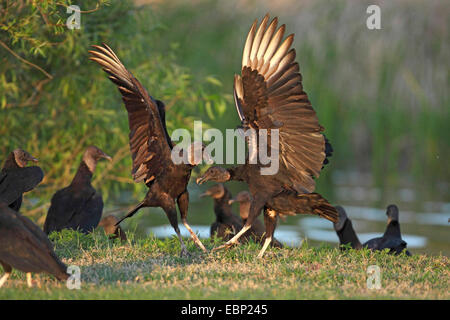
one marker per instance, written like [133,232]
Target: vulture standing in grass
[269,95]
[227,224]
[109,224]
[391,239]
[151,147]
[257,231]
[16,178]
[78,206]
[26,248]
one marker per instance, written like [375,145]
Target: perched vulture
[269,98]
[78,206]
[391,238]
[16,178]
[227,224]
[151,147]
[109,224]
[26,248]
[257,231]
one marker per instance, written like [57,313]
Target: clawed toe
[227,245]
[184,253]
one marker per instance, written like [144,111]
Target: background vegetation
[381,95]
[55,102]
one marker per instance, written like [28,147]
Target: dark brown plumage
[151,146]
[78,206]
[16,178]
[25,247]
[109,224]
[391,239]
[227,224]
[257,232]
[269,95]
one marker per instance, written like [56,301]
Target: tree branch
[25,61]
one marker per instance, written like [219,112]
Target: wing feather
[269,95]
[150,146]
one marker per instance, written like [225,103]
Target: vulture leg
[171,213]
[29,280]
[255,209]
[183,203]
[270,221]
[4,278]
[7,268]
[184,252]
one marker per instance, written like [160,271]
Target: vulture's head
[216,174]
[96,154]
[109,224]
[217,191]
[342,216]
[245,199]
[92,155]
[21,157]
[392,213]
[241,197]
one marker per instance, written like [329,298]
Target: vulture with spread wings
[151,146]
[269,95]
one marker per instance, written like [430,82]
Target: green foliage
[381,95]
[55,102]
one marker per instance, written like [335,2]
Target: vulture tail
[320,206]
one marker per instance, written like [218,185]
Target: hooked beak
[33,159]
[105,156]
[231,201]
[204,194]
[200,180]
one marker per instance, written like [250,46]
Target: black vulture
[78,206]
[257,232]
[391,238]
[16,178]
[151,147]
[26,248]
[269,98]
[108,224]
[344,230]
[227,224]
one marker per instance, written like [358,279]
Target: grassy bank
[151,269]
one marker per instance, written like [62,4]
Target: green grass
[150,268]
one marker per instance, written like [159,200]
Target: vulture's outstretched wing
[149,144]
[16,181]
[269,95]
